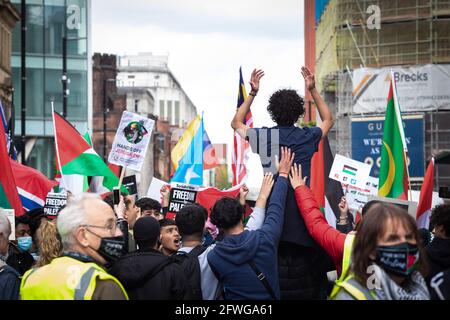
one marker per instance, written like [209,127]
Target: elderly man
[9,278]
[90,239]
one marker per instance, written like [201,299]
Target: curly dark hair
[148,204]
[191,220]
[226,213]
[285,107]
[441,217]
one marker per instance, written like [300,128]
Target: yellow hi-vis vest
[64,278]
[347,281]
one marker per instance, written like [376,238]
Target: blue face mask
[24,243]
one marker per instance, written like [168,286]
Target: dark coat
[438,254]
[20,261]
[9,282]
[150,275]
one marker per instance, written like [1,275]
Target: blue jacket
[9,283]
[229,259]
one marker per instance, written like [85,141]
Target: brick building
[105,95]
[8,18]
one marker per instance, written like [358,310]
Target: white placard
[131,141]
[155,188]
[358,197]
[349,171]
[9,213]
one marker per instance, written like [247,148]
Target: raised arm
[256,219]
[238,123]
[331,240]
[322,107]
[273,224]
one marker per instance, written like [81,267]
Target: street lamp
[105,114]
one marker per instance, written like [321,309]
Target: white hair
[5,225]
[73,216]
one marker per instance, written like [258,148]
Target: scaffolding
[413,32]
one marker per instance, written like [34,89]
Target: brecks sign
[419,88]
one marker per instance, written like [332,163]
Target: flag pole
[122,174]
[402,133]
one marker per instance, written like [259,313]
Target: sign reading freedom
[181,195]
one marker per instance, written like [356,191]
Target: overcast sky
[207,41]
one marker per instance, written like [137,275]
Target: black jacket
[438,253]
[9,282]
[150,275]
[20,261]
[302,272]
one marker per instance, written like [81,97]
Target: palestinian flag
[328,192]
[426,198]
[9,197]
[76,157]
[393,168]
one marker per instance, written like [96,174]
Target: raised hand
[120,209]
[257,74]
[287,158]
[165,192]
[296,176]
[265,190]
[310,80]
[243,192]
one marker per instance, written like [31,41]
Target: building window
[169,112]
[162,114]
[177,113]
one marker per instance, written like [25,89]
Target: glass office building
[47,23]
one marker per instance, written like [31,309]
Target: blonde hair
[50,246]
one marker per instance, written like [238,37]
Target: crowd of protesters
[98,250]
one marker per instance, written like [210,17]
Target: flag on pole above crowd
[8,134]
[189,151]
[426,198]
[32,186]
[75,156]
[241,147]
[394,177]
[327,192]
[209,153]
[9,197]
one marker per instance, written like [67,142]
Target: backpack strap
[263,279]
[198,250]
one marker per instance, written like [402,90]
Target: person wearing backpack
[192,222]
[147,274]
[245,262]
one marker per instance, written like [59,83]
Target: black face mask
[111,248]
[401,259]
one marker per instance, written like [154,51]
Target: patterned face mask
[400,259]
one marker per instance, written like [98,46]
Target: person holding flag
[299,255]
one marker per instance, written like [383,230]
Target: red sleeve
[331,240]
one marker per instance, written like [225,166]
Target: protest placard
[155,188]
[9,213]
[131,141]
[130,183]
[349,171]
[180,195]
[358,197]
[53,203]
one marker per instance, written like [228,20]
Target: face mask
[208,239]
[111,248]
[24,243]
[401,259]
